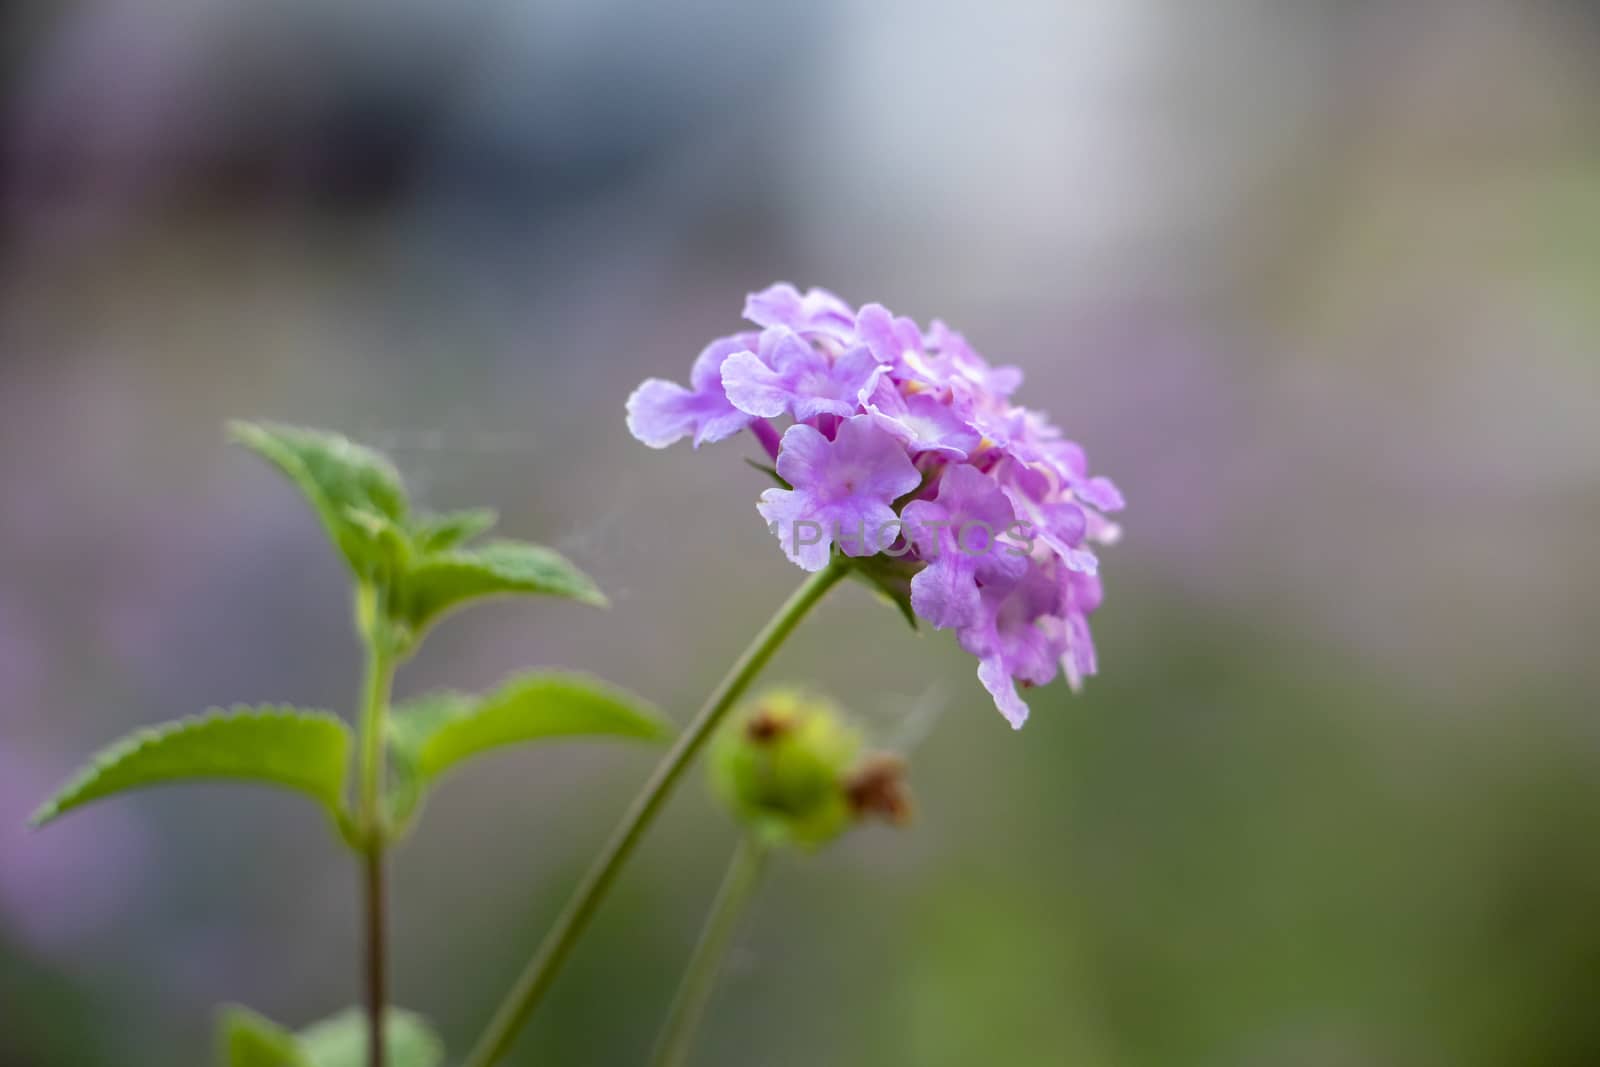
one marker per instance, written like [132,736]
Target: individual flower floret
[790,377]
[897,343]
[842,492]
[1080,596]
[1056,521]
[958,534]
[661,413]
[922,421]
[1015,639]
[816,311]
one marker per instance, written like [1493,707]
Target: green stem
[370,821]
[541,971]
[694,994]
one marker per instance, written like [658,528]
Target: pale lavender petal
[980,514]
[755,388]
[1079,661]
[856,374]
[776,305]
[1014,636]
[1035,654]
[872,462]
[791,377]
[1081,561]
[816,310]
[1061,524]
[1066,522]
[964,361]
[719,420]
[1084,593]
[935,427]
[945,594]
[997,680]
[1005,380]
[860,525]
[891,339]
[1081,595]
[927,528]
[1102,493]
[658,413]
[706,374]
[1069,461]
[837,389]
[800,530]
[1102,531]
[922,421]
[969,494]
[875,327]
[803,456]
[661,413]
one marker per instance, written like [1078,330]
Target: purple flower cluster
[894,427]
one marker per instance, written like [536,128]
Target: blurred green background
[1317,283]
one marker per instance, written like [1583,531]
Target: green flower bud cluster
[790,767]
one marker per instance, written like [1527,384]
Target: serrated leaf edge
[473,557]
[61,802]
[475,704]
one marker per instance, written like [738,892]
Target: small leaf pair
[421,562]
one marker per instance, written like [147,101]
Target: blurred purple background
[1316,283]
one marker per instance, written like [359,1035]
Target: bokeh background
[1317,283]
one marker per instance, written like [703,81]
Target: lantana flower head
[905,443]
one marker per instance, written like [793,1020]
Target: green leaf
[890,578]
[250,1040]
[342,1041]
[302,750]
[435,533]
[438,583]
[443,729]
[433,734]
[341,480]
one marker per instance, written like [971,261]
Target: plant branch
[700,977]
[541,971]
[373,833]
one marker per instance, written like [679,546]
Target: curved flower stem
[541,971]
[694,993]
[372,834]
